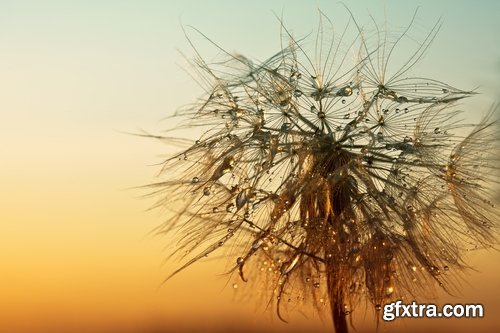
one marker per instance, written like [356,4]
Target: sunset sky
[77,253]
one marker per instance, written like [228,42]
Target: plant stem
[338,315]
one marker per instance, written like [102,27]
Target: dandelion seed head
[333,182]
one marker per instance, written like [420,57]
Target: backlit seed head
[337,181]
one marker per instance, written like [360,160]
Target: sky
[77,252]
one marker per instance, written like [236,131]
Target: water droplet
[316,284]
[195,180]
[297,93]
[230,208]
[437,130]
[446,268]
[286,127]
[225,167]
[380,136]
[378,307]
[445,91]
[241,199]
[215,210]
[343,101]
[321,115]
[347,115]
[240,260]
[235,286]
[206,191]
[257,244]
[346,91]
[197,142]
[389,290]
[434,270]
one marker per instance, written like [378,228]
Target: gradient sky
[75,242]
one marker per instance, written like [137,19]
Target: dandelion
[333,175]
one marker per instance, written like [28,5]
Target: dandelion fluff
[335,182]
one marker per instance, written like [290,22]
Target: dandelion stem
[338,315]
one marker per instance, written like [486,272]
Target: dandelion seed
[341,182]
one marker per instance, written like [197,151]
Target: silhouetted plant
[336,180]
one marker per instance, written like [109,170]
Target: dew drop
[316,284]
[230,208]
[437,130]
[195,180]
[446,268]
[321,115]
[389,291]
[286,127]
[343,101]
[445,91]
[215,210]
[225,167]
[240,260]
[297,93]
[257,244]
[347,115]
[434,270]
[235,286]
[241,199]
[378,307]
[346,91]
[206,191]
